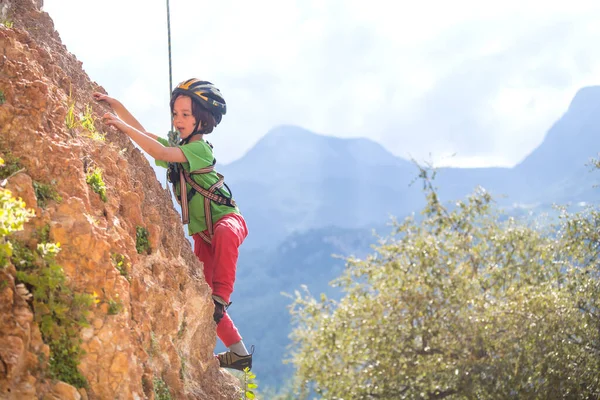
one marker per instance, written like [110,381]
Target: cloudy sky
[483,80]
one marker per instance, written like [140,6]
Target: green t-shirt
[199,155]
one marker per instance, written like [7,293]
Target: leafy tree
[459,304]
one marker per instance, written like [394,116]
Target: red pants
[220,259]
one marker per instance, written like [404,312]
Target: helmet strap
[197,131]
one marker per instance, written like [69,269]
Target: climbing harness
[177,174]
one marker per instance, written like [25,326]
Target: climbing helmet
[205,93]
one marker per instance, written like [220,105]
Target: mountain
[554,172]
[293,180]
[557,168]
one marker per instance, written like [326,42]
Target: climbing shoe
[231,360]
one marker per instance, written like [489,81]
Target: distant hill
[556,169]
[293,179]
[554,172]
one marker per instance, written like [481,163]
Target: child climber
[207,206]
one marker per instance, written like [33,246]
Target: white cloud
[482,79]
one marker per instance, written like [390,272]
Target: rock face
[161,333]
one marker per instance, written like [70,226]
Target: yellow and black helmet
[206,94]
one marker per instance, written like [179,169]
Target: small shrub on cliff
[114,306]
[9,166]
[182,328]
[249,385]
[87,122]
[87,119]
[94,179]
[154,346]
[43,233]
[2,98]
[183,368]
[70,120]
[45,192]
[161,390]
[121,264]
[8,23]
[59,312]
[142,244]
[13,215]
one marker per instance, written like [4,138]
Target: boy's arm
[123,113]
[151,146]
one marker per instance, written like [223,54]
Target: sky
[462,83]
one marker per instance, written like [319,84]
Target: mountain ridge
[585,101]
[294,179]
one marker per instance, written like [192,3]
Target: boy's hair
[205,121]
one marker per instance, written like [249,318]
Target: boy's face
[183,119]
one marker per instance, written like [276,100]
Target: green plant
[13,213]
[13,216]
[8,23]
[142,244]
[44,233]
[97,136]
[87,122]
[249,385]
[181,330]
[45,192]
[2,98]
[114,306]
[121,264]
[94,179]
[161,390]
[154,346]
[183,367]
[9,166]
[59,312]
[70,120]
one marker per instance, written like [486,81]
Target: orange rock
[62,391]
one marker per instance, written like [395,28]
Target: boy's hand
[103,97]
[111,119]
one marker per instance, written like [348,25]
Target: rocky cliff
[122,310]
